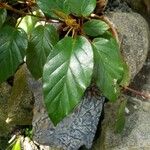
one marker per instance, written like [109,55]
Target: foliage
[40,47]
[67,73]
[29,133]
[15,144]
[105,50]
[16,141]
[4,142]
[3,15]
[120,121]
[95,27]
[65,46]
[13,43]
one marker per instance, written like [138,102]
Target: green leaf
[13,43]
[108,71]
[17,145]
[50,6]
[126,76]
[95,27]
[41,42]
[120,121]
[10,146]
[3,15]
[28,22]
[66,75]
[82,7]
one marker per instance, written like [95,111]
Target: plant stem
[8,7]
[18,23]
[22,13]
[144,95]
[68,31]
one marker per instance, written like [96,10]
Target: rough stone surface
[21,100]
[74,131]
[16,103]
[141,6]
[28,144]
[5,90]
[117,5]
[144,77]
[134,36]
[136,134]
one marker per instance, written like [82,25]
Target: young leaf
[82,7]
[41,42]
[13,43]
[17,145]
[50,6]
[66,75]
[108,71]
[120,121]
[126,76]
[10,146]
[95,27]
[3,15]
[28,22]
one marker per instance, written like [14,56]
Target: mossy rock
[5,91]
[21,100]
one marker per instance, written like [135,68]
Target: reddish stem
[144,95]
[22,13]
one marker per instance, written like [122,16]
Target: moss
[5,91]
[21,99]
[4,142]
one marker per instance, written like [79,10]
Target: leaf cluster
[65,46]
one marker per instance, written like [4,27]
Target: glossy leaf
[17,145]
[108,71]
[120,120]
[41,42]
[50,6]
[82,7]
[13,43]
[95,27]
[66,75]
[3,15]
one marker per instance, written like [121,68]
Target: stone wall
[78,129]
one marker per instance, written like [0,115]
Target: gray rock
[134,37]
[74,131]
[117,5]
[144,77]
[28,144]
[16,103]
[136,134]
